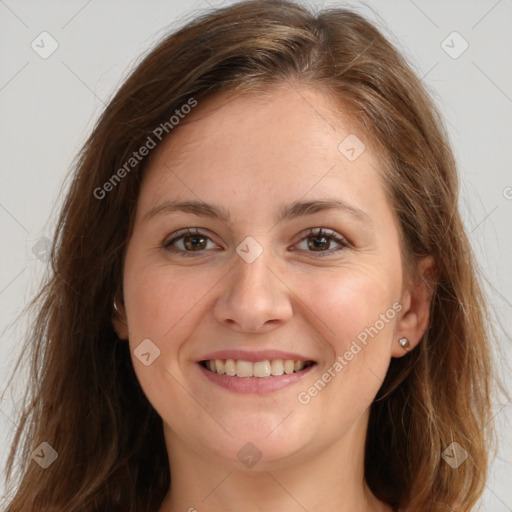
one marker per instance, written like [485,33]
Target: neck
[330,480]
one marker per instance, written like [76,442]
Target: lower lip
[255,384]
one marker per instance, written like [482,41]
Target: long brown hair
[84,398]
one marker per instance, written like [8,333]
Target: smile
[259,369]
[256,377]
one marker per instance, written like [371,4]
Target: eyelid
[319,231]
[182,232]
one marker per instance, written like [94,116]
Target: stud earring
[404,343]
[118,312]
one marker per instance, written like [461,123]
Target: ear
[416,301]
[119,320]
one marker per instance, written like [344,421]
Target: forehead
[289,140]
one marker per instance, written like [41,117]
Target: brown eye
[318,243]
[323,242]
[193,242]
[188,241]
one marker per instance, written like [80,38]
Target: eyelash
[312,232]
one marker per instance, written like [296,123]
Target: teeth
[244,369]
[259,369]
[298,366]
[289,366]
[277,367]
[230,367]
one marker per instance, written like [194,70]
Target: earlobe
[119,321]
[417,300]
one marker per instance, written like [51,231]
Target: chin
[261,446]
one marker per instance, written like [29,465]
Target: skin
[252,156]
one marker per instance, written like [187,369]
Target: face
[263,244]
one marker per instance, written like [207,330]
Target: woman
[262,296]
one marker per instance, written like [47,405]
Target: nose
[255,299]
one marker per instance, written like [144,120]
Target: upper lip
[253,356]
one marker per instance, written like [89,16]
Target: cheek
[161,301]
[164,306]
[355,312]
[349,301]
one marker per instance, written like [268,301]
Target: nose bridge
[252,268]
[253,278]
[254,296]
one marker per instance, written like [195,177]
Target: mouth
[254,371]
[268,368]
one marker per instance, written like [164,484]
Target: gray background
[48,107]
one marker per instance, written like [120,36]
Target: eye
[187,241]
[192,242]
[320,240]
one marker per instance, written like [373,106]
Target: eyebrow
[287,212]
